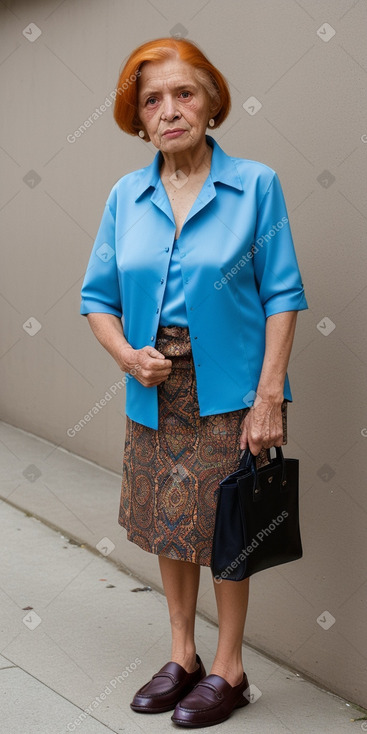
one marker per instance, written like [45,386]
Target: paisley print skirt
[170,476]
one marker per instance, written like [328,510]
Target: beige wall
[312,120]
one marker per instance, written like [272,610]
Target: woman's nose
[169,111]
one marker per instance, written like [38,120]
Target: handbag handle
[248,461]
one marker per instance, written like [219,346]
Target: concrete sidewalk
[77,640]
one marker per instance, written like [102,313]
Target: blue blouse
[238,265]
[173,311]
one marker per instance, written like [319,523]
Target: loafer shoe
[166,688]
[211,701]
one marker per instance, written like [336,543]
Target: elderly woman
[193,287]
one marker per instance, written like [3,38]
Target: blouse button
[152,338]
[166,249]
[162,280]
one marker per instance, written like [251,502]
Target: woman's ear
[214,108]
[140,129]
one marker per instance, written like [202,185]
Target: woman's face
[173,107]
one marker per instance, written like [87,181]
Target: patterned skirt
[170,476]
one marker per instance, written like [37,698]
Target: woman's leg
[232,602]
[181,583]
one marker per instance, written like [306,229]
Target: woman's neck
[191,161]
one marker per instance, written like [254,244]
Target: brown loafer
[211,701]
[166,688]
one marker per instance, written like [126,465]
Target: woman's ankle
[231,670]
[184,656]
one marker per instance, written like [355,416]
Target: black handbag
[257,518]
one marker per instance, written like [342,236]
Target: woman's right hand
[149,366]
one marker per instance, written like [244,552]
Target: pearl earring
[141,133]
[211,122]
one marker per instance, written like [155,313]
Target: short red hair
[126,100]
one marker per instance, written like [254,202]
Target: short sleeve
[100,290]
[275,263]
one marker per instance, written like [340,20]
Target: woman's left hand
[262,426]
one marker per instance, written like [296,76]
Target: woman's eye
[151,100]
[186,95]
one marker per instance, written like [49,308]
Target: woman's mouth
[173,133]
